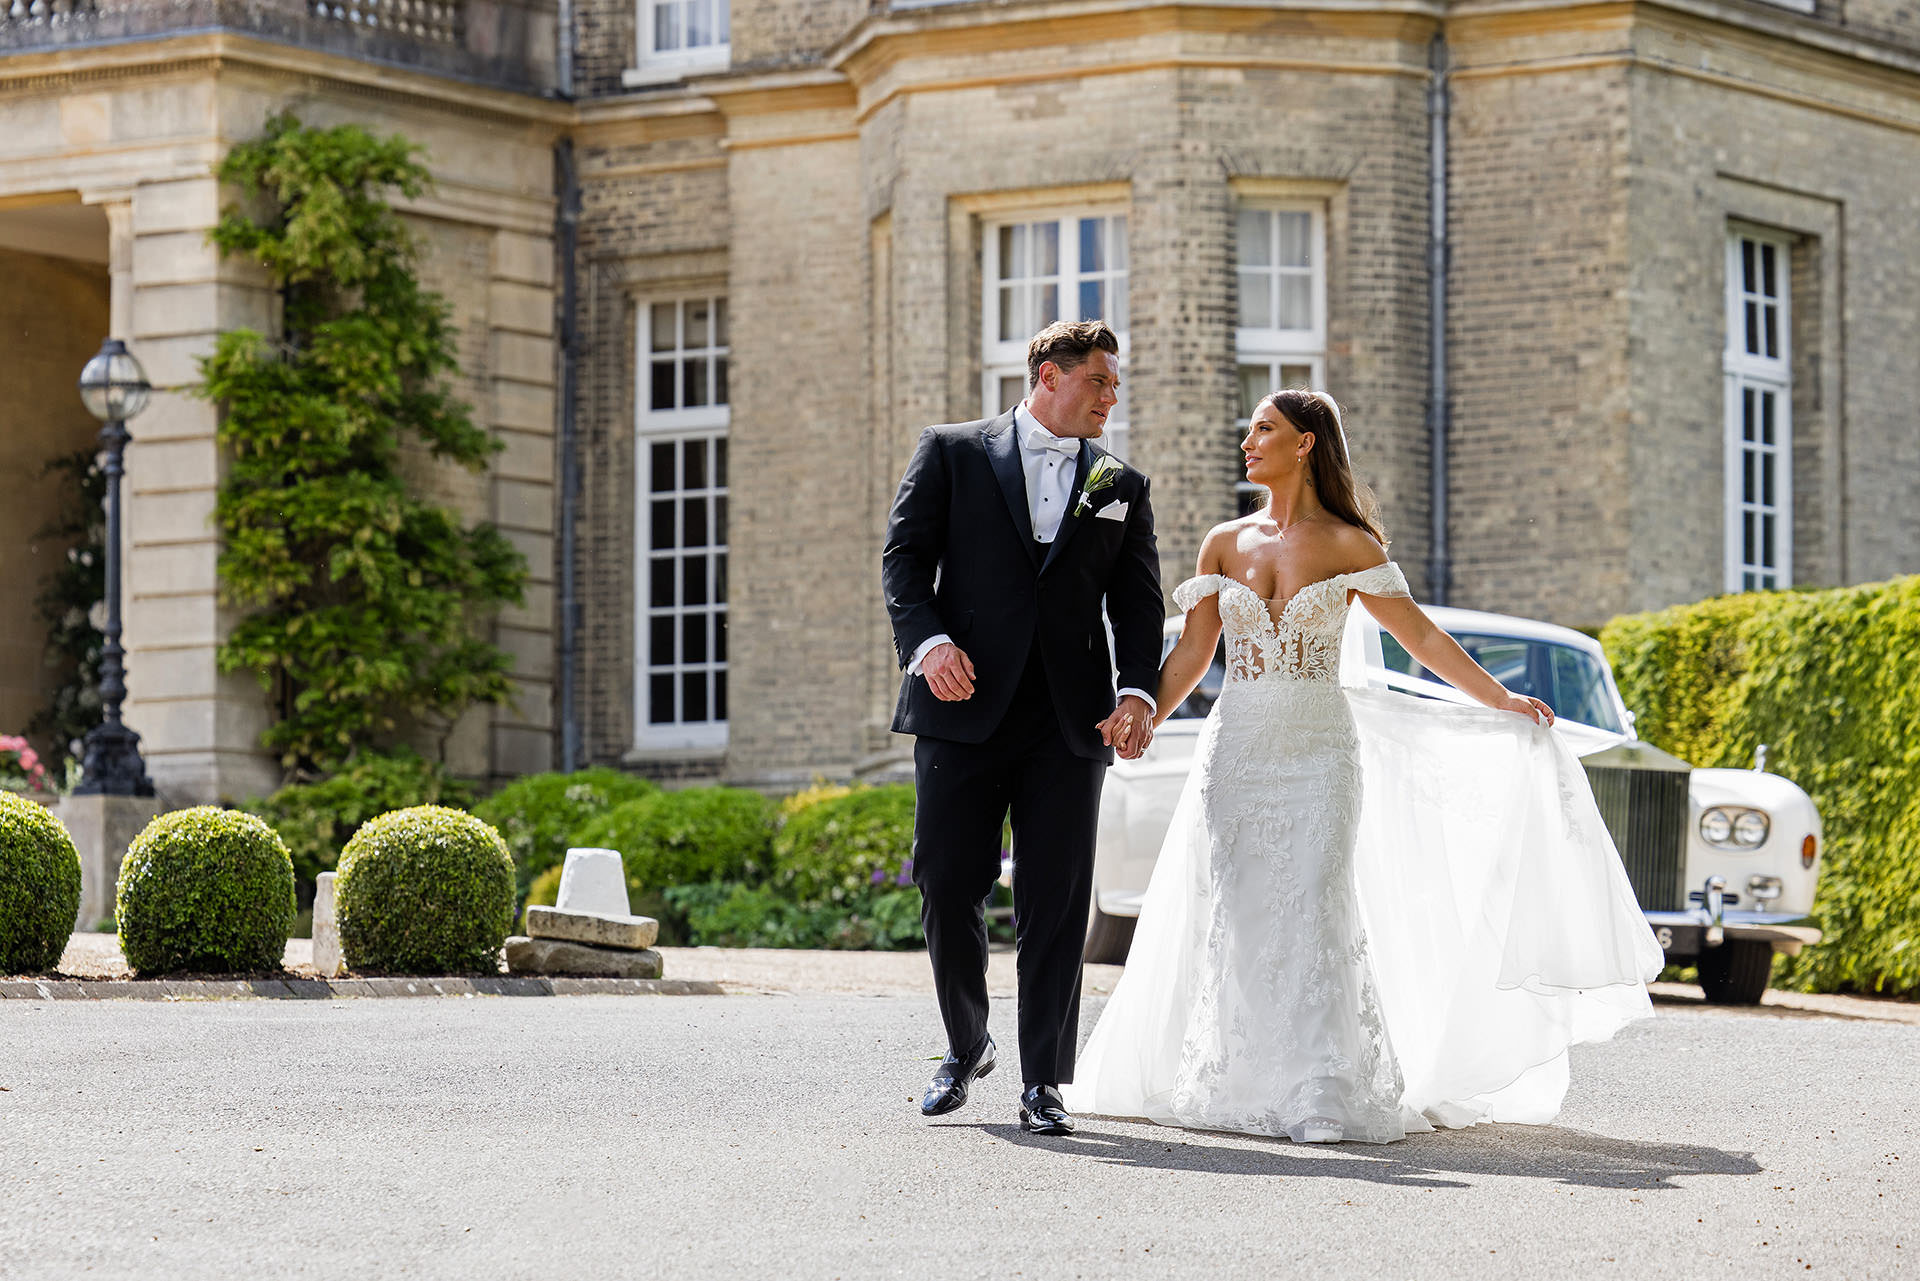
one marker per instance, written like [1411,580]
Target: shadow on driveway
[1420,1161]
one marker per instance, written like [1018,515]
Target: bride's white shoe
[1320,1129]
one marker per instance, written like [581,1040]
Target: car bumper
[1684,934]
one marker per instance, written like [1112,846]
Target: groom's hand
[1129,729]
[949,673]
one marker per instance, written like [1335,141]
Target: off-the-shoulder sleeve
[1195,590]
[1381,580]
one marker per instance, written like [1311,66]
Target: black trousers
[965,791]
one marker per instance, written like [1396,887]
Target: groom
[1007,536]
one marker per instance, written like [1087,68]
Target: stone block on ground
[595,881]
[556,956]
[327,958]
[631,933]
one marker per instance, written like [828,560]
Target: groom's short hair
[1067,343]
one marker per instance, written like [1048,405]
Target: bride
[1328,961]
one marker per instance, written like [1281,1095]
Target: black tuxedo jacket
[960,558]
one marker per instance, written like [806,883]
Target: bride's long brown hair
[1329,470]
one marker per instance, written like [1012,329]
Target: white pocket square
[1112,511]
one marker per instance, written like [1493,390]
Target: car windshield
[1570,681]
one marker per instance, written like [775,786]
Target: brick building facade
[1680,263]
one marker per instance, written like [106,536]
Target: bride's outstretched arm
[1190,657]
[1441,654]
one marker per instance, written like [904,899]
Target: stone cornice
[73,68]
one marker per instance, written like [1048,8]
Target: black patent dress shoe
[1042,1111]
[948,1089]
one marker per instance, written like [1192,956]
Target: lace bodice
[1300,642]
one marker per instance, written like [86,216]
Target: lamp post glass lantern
[114,388]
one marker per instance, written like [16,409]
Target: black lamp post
[114,388]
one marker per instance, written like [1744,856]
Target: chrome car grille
[1647,812]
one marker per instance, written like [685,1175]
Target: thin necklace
[1290,524]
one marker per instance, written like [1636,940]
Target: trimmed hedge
[427,890]
[205,889]
[316,819]
[538,814]
[845,841]
[1828,681]
[39,886]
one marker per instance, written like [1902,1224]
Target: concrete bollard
[327,960]
[594,881]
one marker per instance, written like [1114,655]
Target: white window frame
[1760,374]
[708,422]
[1275,347]
[1007,357]
[656,64]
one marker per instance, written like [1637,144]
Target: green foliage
[205,889]
[363,601]
[836,845]
[316,819]
[538,814]
[76,583]
[426,890]
[1827,680]
[39,886]
[734,915]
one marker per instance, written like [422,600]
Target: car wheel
[1736,972]
[1109,937]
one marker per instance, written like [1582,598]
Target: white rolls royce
[1724,861]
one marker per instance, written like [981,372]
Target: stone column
[200,729]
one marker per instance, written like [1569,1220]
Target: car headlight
[1750,829]
[1735,827]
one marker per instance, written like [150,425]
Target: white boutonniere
[1105,470]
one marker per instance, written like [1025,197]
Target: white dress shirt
[1049,462]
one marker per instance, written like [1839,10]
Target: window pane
[1766,541]
[1013,248]
[720,338]
[660,647]
[1746,537]
[720,635]
[1117,241]
[1256,300]
[662,467]
[719,696]
[720,462]
[1093,255]
[1092,300]
[694,460]
[1767,285]
[693,638]
[1296,375]
[1766,417]
[720,526]
[1013,389]
[1746,475]
[660,699]
[661,533]
[661,377]
[1046,249]
[1253,238]
[696,382]
[1049,297]
[1748,418]
[720,578]
[1296,239]
[1010,309]
[1255,382]
[695,526]
[1766,480]
[660,582]
[1117,316]
[723,22]
[693,580]
[1746,266]
[660,325]
[699,324]
[693,694]
[1296,302]
[699,25]
[720,381]
[1772,316]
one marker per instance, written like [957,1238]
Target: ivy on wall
[1827,680]
[364,604]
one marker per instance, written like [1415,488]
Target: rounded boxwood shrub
[39,886]
[316,818]
[537,815]
[843,844]
[205,889]
[427,890]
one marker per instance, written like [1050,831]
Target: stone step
[555,956]
[630,932]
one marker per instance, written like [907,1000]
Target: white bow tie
[1039,437]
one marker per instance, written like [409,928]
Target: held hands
[949,673]
[1129,729]
[1531,708]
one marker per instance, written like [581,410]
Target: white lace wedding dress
[1319,959]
